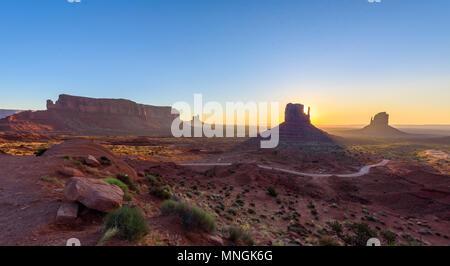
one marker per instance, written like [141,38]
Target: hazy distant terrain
[5,112]
[430,130]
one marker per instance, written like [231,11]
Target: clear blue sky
[346,58]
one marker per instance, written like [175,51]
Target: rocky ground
[406,200]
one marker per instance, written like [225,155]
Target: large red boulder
[94,193]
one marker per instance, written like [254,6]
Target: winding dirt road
[363,171]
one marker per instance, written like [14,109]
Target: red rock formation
[298,127]
[94,193]
[87,116]
[379,127]
[380,120]
[294,113]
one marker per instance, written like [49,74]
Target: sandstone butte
[379,127]
[73,115]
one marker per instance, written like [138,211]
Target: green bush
[272,192]
[336,227]
[130,222]
[51,179]
[156,181]
[389,237]
[237,234]
[110,233]
[240,202]
[117,182]
[361,233]
[326,241]
[192,217]
[162,192]
[232,212]
[127,181]
[113,181]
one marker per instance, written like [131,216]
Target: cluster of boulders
[93,193]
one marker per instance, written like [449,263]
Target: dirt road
[363,171]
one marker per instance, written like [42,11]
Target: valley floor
[407,199]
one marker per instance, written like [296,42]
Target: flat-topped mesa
[106,106]
[294,113]
[380,120]
[74,115]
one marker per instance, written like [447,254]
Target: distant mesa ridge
[379,127]
[76,115]
[106,106]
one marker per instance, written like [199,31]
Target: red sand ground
[404,198]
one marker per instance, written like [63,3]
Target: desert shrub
[192,217]
[117,182]
[127,181]
[336,227]
[113,181]
[51,179]
[162,192]
[232,212]
[389,237]
[110,233]
[361,233]
[129,221]
[234,234]
[237,234]
[155,181]
[247,239]
[228,216]
[298,229]
[371,219]
[326,241]
[272,192]
[105,160]
[240,202]
[40,152]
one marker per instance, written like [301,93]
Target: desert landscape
[225,132]
[61,178]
